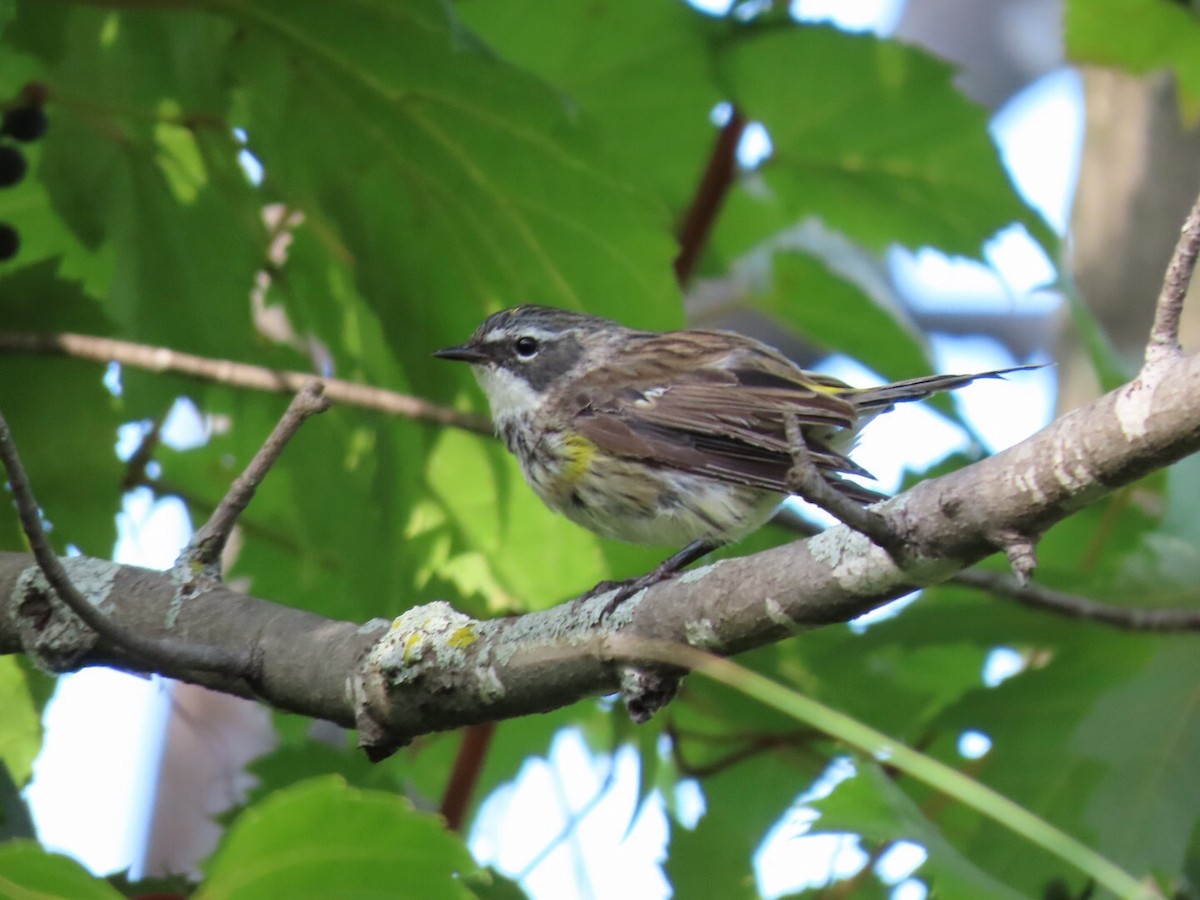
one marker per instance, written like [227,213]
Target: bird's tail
[879,399]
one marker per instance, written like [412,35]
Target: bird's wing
[715,407]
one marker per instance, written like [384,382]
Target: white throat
[510,396]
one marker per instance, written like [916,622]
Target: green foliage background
[451,159]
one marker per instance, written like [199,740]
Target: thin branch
[136,465]
[751,747]
[204,549]
[164,652]
[710,195]
[221,371]
[1164,334]
[1076,607]
[806,482]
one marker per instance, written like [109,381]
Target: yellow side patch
[578,453]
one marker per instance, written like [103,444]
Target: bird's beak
[463,353]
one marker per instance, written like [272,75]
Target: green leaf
[640,70]
[26,870]
[872,137]
[323,839]
[1146,804]
[968,792]
[79,491]
[449,175]
[1166,36]
[835,314]
[141,166]
[1111,370]
[15,818]
[20,722]
[872,805]
[488,884]
[741,803]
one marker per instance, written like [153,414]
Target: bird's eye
[526,347]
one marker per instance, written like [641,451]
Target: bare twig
[1076,607]
[169,654]
[710,194]
[806,482]
[1164,334]
[204,549]
[260,378]
[136,465]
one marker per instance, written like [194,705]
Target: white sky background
[89,795]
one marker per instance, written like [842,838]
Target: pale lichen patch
[854,563]
[432,636]
[1133,406]
[55,638]
[776,613]
[702,633]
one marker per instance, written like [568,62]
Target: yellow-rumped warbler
[674,437]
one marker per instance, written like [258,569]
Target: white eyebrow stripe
[497,334]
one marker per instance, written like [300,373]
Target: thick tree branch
[284,641]
[435,669]
[223,371]
[32,600]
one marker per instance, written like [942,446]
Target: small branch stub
[1164,333]
[203,552]
[806,482]
[1021,552]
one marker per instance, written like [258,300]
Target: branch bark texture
[434,669]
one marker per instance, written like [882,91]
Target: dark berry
[10,241]
[12,166]
[27,123]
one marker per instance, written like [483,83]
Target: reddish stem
[465,774]
[710,195]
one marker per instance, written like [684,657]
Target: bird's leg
[664,571]
[805,480]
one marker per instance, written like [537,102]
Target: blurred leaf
[870,804]
[488,884]
[141,168]
[322,839]
[741,804]
[26,870]
[1145,733]
[168,887]
[78,492]
[20,722]
[871,136]
[839,316]
[641,70]
[1166,36]
[448,174]
[292,764]
[15,819]
[1111,370]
